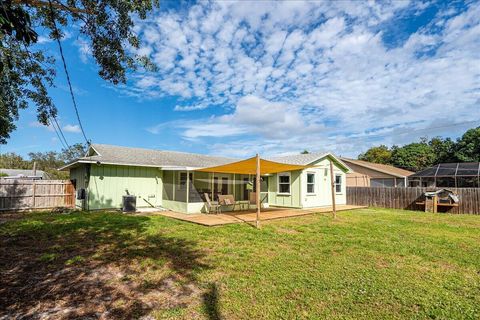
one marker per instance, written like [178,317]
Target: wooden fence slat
[21,194]
[406,198]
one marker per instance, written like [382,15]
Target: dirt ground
[81,273]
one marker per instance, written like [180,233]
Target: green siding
[109,183]
[80,175]
[292,200]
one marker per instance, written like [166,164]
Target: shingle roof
[307,158]
[394,171]
[110,154]
[299,159]
[149,157]
[24,173]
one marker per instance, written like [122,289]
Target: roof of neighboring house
[24,173]
[468,169]
[109,154]
[391,170]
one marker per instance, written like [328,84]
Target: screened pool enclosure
[448,175]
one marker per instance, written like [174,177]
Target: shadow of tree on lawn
[210,302]
[94,265]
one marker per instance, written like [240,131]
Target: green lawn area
[369,263]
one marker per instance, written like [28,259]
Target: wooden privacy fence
[20,194]
[406,198]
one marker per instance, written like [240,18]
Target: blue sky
[236,78]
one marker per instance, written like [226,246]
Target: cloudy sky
[236,78]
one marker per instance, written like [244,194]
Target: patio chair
[227,200]
[212,206]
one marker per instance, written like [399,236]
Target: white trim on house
[338,184]
[284,174]
[314,183]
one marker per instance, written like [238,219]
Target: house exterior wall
[108,184]
[291,200]
[369,172]
[323,189]
[355,179]
[80,175]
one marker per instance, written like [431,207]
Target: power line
[52,115]
[58,135]
[61,132]
[57,37]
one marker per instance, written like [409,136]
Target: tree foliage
[26,73]
[419,155]
[413,156]
[381,154]
[48,161]
[468,146]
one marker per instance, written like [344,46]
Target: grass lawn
[369,263]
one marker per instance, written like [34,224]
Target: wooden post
[257,193]
[332,180]
[33,194]
[213,185]
[435,203]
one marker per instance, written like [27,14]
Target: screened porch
[186,191]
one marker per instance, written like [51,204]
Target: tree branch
[56,5]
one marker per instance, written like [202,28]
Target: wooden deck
[249,215]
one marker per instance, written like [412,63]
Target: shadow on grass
[92,265]
[210,303]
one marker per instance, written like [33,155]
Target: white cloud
[84,49]
[190,108]
[313,74]
[72,128]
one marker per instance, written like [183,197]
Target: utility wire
[52,116]
[58,135]
[61,132]
[52,16]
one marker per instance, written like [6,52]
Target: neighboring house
[169,179]
[23,174]
[448,175]
[379,175]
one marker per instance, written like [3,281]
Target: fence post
[33,194]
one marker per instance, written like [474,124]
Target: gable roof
[391,170]
[308,158]
[109,154]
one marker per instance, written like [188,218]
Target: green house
[171,180]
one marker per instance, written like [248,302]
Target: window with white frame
[284,183]
[338,183]
[310,182]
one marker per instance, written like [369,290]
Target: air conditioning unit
[129,203]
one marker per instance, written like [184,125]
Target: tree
[468,146]
[26,73]
[413,156]
[49,161]
[381,154]
[13,161]
[76,151]
[304,152]
[444,149]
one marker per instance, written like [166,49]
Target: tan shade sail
[249,166]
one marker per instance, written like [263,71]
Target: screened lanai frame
[448,175]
